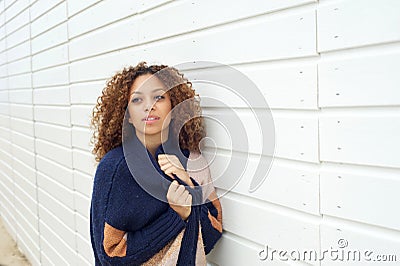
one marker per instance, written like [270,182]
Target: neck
[152,142]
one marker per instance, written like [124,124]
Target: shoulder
[110,162]
[112,157]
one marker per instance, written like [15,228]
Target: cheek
[133,114]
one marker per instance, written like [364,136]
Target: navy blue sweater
[119,201]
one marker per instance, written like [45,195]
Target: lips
[151,118]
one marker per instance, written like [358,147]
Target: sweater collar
[145,168]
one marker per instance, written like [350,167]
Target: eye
[159,97]
[136,100]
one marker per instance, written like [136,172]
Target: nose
[150,106]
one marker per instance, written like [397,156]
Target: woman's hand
[179,199]
[170,164]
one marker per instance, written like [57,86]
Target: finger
[170,170]
[165,166]
[165,157]
[180,190]
[168,158]
[172,190]
[173,186]
[188,200]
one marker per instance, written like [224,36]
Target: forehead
[146,83]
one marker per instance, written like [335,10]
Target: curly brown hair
[109,113]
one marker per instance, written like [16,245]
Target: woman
[153,202]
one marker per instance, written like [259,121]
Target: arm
[129,225]
[126,247]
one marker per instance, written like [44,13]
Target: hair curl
[108,114]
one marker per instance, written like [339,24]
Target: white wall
[328,69]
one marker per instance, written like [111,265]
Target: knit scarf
[148,174]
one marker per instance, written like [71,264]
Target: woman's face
[149,106]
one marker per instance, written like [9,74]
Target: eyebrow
[138,92]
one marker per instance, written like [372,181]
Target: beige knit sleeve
[198,169]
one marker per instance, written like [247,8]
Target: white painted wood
[17,22]
[360,81]
[363,194]
[85,251]
[53,17]
[82,204]
[51,38]
[4,109]
[20,66]
[83,183]
[22,81]
[360,239]
[25,232]
[8,3]
[15,9]
[2,42]
[104,67]
[242,253]
[49,252]
[296,136]
[18,36]
[22,140]
[20,51]
[288,87]
[86,93]
[40,7]
[56,152]
[84,161]
[22,154]
[59,245]
[81,138]
[290,231]
[81,115]
[50,57]
[50,77]
[56,190]
[288,37]
[82,223]
[77,6]
[195,15]
[26,196]
[58,226]
[118,35]
[23,96]
[101,14]
[51,96]
[56,171]
[54,133]
[55,115]
[361,138]
[4,96]
[24,171]
[344,24]
[55,207]
[21,111]
[22,126]
[287,183]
